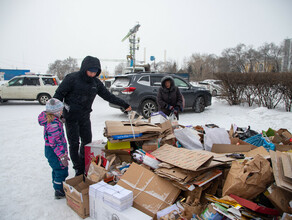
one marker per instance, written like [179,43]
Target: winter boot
[59,194]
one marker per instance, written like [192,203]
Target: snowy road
[25,183]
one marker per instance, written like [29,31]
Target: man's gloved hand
[170,107]
[64,160]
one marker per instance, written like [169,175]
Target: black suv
[140,91]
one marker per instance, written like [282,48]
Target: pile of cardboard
[222,177]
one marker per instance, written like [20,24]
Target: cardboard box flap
[151,193]
[283,147]
[231,148]
[259,150]
[287,165]
[181,157]
[175,173]
[74,181]
[72,191]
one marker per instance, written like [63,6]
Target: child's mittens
[64,160]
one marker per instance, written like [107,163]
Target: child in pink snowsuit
[55,144]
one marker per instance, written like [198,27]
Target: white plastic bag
[215,136]
[189,138]
[172,117]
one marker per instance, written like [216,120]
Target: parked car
[214,86]
[140,91]
[29,87]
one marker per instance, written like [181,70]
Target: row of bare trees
[242,59]
[262,89]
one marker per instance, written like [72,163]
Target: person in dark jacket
[169,97]
[78,91]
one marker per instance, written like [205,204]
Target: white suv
[214,86]
[29,87]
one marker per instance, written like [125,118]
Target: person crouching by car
[169,97]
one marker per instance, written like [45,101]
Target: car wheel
[199,105]
[147,107]
[214,92]
[3,100]
[43,98]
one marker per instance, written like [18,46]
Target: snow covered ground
[25,182]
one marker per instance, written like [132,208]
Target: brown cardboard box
[149,131]
[123,155]
[77,195]
[236,146]
[150,145]
[151,192]
[280,198]
[285,136]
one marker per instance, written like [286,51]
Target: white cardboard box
[105,212]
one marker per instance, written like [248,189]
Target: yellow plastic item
[119,145]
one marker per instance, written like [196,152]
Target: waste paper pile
[160,169]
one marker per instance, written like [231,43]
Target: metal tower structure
[133,44]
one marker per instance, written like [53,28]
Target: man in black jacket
[169,97]
[78,91]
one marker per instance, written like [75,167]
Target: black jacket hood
[90,62]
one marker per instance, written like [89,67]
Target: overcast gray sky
[35,33]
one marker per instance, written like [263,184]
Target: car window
[31,81]
[180,83]
[121,82]
[50,81]
[156,80]
[144,80]
[16,82]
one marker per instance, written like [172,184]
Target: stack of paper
[118,197]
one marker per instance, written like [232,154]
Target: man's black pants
[78,130]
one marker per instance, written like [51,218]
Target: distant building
[287,56]
[10,73]
[260,67]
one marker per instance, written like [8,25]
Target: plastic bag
[172,117]
[215,136]
[258,140]
[188,138]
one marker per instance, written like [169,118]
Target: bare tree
[165,67]
[119,68]
[271,57]
[201,66]
[62,67]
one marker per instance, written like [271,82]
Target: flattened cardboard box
[124,127]
[77,194]
[151,192]
[236,146]
[281,181]
[183,158]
